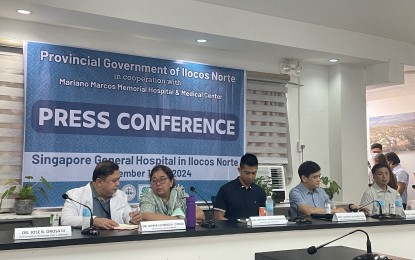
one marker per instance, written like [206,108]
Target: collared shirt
[375,192]
[300,195]
[402,176]
[239,202]
[101,208]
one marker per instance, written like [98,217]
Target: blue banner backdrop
[84,106]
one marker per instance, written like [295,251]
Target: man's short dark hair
[380,165]
[307,168]
[393,157]
[248,159]
[376,145]
[104,169]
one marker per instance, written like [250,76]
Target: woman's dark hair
[307,168]
[166,170]
[380,158]
[393,157]
[104,169]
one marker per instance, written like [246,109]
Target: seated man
[307,197]
[108,204]
[380,190]
[240,198]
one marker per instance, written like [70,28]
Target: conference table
[230,240]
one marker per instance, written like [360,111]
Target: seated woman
[165,201]
[380,190]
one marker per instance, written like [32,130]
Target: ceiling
[384,18]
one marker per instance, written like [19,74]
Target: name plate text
[350,216]
[267,221]
[42,232]
[409,214]
[162,225]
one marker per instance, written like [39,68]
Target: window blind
[11,117]
[267,131]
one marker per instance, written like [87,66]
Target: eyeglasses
[161,180]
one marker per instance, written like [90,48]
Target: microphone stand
[377,216]
[380,215]
[209,224]
[368,256]
[91,230]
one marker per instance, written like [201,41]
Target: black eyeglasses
[161,180]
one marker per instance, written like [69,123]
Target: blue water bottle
[398,206]
[190,212]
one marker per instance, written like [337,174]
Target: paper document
[126,227]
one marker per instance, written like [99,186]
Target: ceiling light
[22,11]
[333,60]
[291,66]
[201,40]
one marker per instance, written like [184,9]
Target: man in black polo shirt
[240,198]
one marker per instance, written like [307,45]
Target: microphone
[298,219]
[210,224]
[378,216]
[368,256]
[413,186]
[91,230]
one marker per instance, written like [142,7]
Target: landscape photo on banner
[84,106]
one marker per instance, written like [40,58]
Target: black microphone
[210,224]
[368,256]
[413,186]
[91,230]
[298,219]
[378,216]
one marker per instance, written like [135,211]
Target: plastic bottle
[269,206]
[398,206]
[381,203]
[86,218]
[190,212]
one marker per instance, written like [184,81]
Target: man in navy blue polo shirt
[240,198]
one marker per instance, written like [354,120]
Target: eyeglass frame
[161,180]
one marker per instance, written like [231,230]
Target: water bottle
[269,206]
[381,203]
[86,218]
[190,212]
[398,206]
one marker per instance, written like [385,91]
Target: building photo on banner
[84,106]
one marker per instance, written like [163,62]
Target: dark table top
[335,252]
[223,228]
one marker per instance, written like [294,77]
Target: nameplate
[409,214]
[267,221]
[350,216]
[162,225]
[42,232]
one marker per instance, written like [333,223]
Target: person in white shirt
[380,190]
[401,175]
[109,205]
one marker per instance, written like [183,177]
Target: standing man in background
[375,149]
[240,198]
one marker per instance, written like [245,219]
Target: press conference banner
[85,106]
